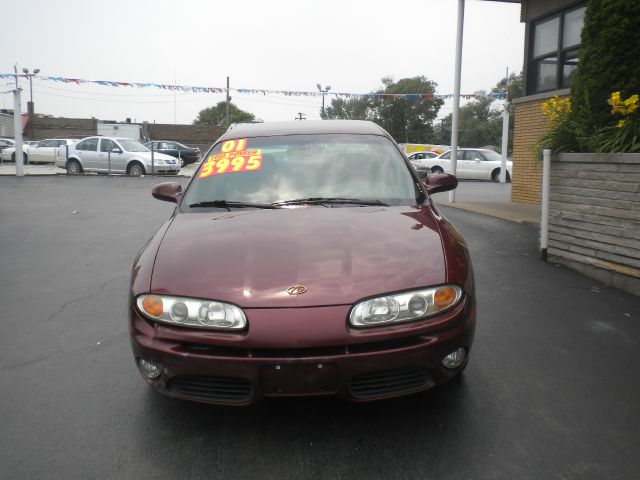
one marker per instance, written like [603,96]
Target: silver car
[118,155]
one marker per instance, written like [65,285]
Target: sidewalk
[50,169]
[493,199]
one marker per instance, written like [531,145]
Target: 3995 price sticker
[233,158]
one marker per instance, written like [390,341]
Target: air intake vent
[212,389]
[389,383]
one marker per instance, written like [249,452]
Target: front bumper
[164,168]
[240,369]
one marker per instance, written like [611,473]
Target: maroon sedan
[303,258]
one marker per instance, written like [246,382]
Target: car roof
[470,148]
[110,138]
[308,127]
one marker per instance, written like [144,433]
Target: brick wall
[530,124]
[201,136]
[594,216]
[39,128]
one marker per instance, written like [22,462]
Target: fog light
[149,369]
[454,359]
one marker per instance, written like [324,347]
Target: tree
[359,108]
[608,62]
[480,120]
[217,115]
[406,119]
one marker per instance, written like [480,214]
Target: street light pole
[30,109]
[324,92]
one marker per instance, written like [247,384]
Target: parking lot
[551,390]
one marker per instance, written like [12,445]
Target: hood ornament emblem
[297,289]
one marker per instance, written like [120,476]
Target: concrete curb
[513,212]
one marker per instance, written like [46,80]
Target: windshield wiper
[328,200]
[229,205]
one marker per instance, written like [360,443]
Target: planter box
[594,216]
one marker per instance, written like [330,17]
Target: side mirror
[116,150]
[168,191]
[440,182]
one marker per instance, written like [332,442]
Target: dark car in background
[186,154]
[303,258]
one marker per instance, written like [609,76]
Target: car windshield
[332,167]
[491,155]
[132,145]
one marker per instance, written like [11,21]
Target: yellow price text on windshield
[232,162]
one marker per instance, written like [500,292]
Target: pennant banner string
[254,91]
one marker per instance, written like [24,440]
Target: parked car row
[115,155]
[471,164]
[91,154]
[43,151]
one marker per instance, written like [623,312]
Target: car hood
[156,155]
[340,255]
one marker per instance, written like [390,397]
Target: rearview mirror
[440,182]
[168,192]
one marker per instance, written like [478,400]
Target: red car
[303,258]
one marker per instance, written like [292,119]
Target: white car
[472,164]
[418,161]
[118,155]
[43,151]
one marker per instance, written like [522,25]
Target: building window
[554,50]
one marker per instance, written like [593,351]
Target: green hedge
[609,61]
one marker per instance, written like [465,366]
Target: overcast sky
[275,45]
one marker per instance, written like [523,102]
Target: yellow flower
[631,104]
[554,108]
[620,124]
[615,98]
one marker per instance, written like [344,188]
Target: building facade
[552,43]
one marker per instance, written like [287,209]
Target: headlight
[189,312]
[404,307]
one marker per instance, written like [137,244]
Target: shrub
[560,135]
[624,135]
[609,61]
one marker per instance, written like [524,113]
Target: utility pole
[456,96]
[324,92]
[228,100]
[17,130]
[300,116]
[505,133]
[30,109]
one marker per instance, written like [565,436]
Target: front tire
[135,169]
[437,169]
[495,176]
[74,167]
[24,158]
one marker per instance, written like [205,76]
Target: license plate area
[299,379]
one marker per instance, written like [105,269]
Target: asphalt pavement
[551,390]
